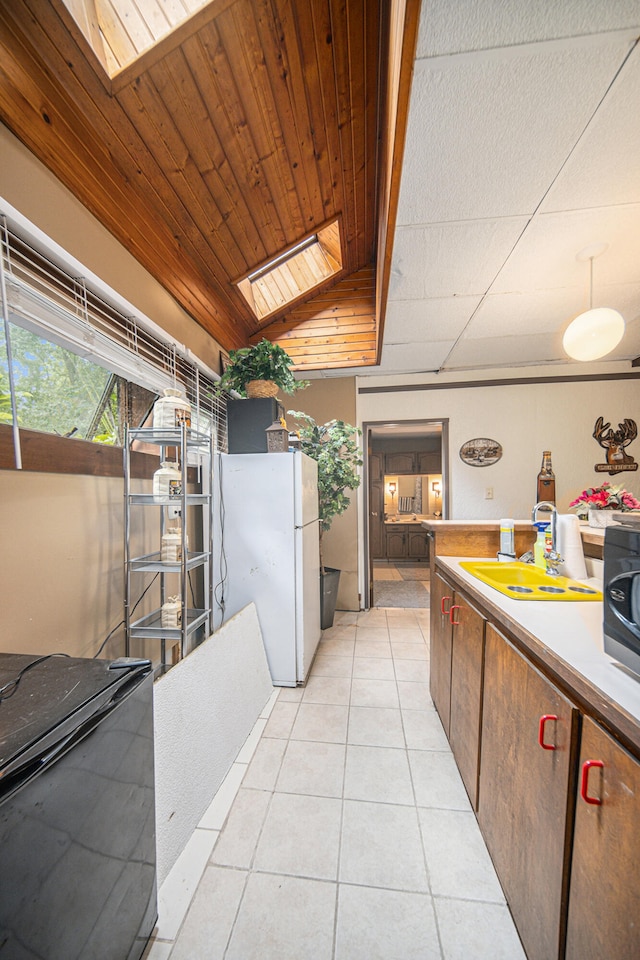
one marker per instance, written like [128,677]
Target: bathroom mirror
[419,494]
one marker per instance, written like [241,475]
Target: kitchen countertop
[406,519]
[567,640]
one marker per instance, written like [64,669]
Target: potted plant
[593,501]
[334,447]
[260,371]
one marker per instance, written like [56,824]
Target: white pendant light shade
[593,334]
[597,331]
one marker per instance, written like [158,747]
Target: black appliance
[622,593]
[77,808]
[247,421]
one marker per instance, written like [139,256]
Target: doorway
[406,483]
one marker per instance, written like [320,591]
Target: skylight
[119,31]
[288,276]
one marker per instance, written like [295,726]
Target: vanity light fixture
[392,490]
[597,331]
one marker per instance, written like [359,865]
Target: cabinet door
[440,676]
[604,898]
[526,793]
[400,463]
[467,660]
[417,545]
[396,544]
[429,462]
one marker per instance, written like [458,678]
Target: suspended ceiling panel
[450,27]
[523,147]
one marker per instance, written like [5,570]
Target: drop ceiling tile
[488,133]
[411,321]
[545,256]
[629,347]
[455,259]
[605,165]
[514,314]
[532,349]
[447,27]
[416,357]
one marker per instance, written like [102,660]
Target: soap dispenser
[539,546]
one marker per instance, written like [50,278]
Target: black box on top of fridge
[247,421]
[77,808]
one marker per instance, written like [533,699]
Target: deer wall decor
[614,442]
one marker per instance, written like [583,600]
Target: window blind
[47,300]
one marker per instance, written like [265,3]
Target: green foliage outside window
[58,391]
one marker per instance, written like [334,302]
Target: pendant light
[597,331]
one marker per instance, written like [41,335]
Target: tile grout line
[334,944]
[250,871]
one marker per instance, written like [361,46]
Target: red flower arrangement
[605,497]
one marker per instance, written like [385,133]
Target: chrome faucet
[553,558]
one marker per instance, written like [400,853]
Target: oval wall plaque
[480,452]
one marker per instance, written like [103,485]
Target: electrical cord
[118,625]
[218,590]
[12,685]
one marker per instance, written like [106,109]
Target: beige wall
[324,400]
[525,418]
[61,563]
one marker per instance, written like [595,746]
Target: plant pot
[261,388]
[602,518]
[329,581]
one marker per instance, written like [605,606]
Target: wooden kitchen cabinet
[457,652]
[396,545]
[525,804]
[441,647]
[406,542]
[417,544]
[568,868]
[400,463]
[604,896]
[429,462]
[467,659]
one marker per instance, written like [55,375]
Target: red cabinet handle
[456,606]
[541,740]
[445,613]
[584,787]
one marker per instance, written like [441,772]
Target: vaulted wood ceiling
[249,126]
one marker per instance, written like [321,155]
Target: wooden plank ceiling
[246,128]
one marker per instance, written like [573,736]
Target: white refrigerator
[268,551]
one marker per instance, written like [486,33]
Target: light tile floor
[343,831]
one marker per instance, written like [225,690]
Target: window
[285,278]
[60,392]
[80,368]
[119,31]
